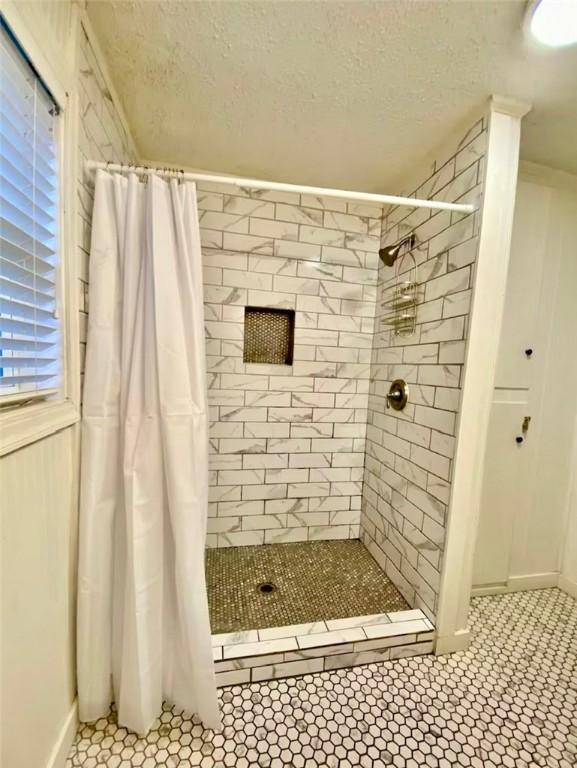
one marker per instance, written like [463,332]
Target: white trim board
[459,641]
[481,362]
[36,36]
[518,584]
[65,738]
[526,583]
[22,425]
[567,585]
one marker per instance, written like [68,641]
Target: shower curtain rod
[236,181]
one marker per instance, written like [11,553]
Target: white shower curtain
[143,623]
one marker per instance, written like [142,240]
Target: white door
[510,450]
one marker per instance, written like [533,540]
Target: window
[30,334]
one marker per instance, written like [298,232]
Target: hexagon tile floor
[510,700]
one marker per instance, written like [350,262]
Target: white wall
[39,482]
[38,564]
[539,529]
[525,518]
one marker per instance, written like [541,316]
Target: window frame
[26,422]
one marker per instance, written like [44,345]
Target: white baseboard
[518,584]
[568,586]
[451,643]
[65,738]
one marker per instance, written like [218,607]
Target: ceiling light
[553,22]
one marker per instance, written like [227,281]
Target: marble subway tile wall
[408,465]
[287,442]
[101,136]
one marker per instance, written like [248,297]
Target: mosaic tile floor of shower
[312,580]
[510,700]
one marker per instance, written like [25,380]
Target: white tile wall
[409,453]
[101,136]
[287,442]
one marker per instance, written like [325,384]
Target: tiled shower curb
[266,654]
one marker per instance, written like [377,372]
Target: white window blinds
[29,328]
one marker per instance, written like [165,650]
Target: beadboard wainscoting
[288,442]
[407,477]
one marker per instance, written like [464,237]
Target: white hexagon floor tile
[509,700]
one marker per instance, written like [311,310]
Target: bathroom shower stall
[349,390]
[328,508]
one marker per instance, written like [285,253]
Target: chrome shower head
[390,253]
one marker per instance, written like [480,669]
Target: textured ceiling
[331,93]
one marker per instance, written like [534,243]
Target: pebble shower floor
[510,700]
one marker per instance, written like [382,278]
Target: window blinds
[29,328]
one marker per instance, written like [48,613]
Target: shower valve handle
[397,395]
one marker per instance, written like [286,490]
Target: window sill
[33,422]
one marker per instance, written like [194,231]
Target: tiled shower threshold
[275,652]
[345,611]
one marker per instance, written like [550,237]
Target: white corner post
[496,226]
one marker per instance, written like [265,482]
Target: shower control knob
[528,352]
[398,395]
[519,440]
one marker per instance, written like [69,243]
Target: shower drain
[266,588]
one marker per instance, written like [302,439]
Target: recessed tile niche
[268,335]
